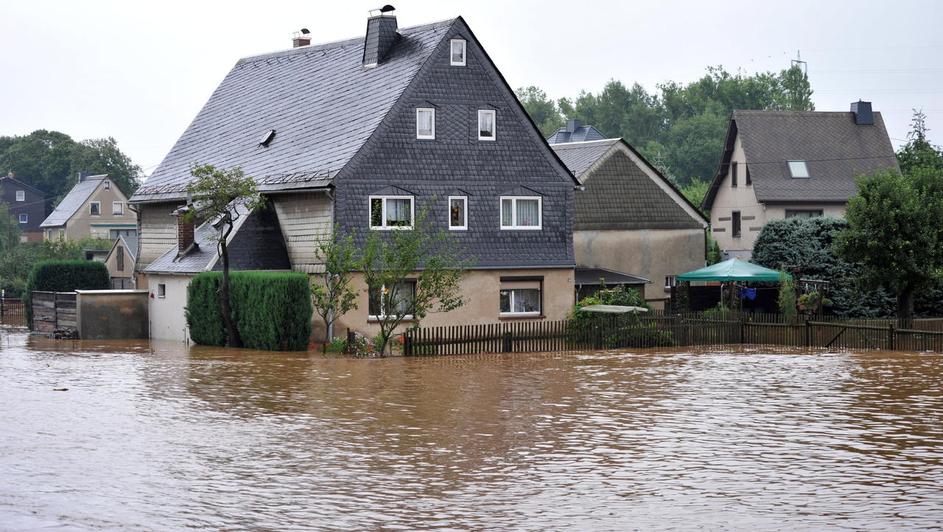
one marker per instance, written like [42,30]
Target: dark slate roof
[579,134]
[835,149]
[623,190]
[596,277]
[256,243]
[320,100]
[73,201]
[12,179]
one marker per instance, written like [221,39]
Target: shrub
[272,310]
[64,276]
[617,330]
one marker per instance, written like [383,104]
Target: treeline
[51,161]
[680,127]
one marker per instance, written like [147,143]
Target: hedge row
[64,276]
[272,310]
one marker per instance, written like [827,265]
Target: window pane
[798,169]
[94,208]
[506,212]
[527,300]
[505,301]
[485,124]
[20,195]
[458,51]
[398,212]
[402,298]
[457,212]
[373,296]
[376,212]
[424,120]
[528,213]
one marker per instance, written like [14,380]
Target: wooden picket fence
[660,329]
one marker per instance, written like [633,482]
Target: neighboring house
[630,219]
[120,261]
[27,205]
[784,164]
[365,134]
[94,208]
[574,131]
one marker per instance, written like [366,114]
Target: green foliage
[332,292]
[9,230]
[718,312]
[64,276]
[50,161]
[804,247]
[616,329]
[272,310]
[17,262]
[714,253]
[681,127]
[918,153]
[695,192]
[787,297]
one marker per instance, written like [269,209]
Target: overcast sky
[140,72]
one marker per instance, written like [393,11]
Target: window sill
[512,317]
[376,319]
[525,228]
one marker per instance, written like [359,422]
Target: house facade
[120,262]
[784,164]
[367,135]
[27,206]
[94,208]
[630,220]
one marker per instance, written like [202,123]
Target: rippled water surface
[163,437]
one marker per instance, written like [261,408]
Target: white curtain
[398,212]
[528,213]
[506,212]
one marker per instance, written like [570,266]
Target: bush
[617,330]
[272,310]
[64,276]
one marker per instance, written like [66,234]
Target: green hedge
[272,310]
[64,276]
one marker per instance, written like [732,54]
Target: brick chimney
[301,38]
[381,35]
[185,229]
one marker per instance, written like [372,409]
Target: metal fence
[12,311]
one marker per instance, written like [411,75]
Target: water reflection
[160,436]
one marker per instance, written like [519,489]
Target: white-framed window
[117,208]
[487,119]
[457,52]
[20,195]
[396,300]
[107,185]
[521,212]
[24,218]
[798,169]
[670,281]
[161,290]
[95,208]
[458,213]
[520,298]
[391,212]
[425,123]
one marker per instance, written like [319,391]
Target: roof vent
[301,38]
[381,35]
[267,138]
[863,114]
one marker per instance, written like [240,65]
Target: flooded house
[363,135]
[786,164]
[631,224]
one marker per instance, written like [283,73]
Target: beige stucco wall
[778,212]
[167,320]
[650,253]
[481,290]
[84,225]
[111,262]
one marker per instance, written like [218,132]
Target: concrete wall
[112,314]
[482,301]
[650,253]
[167,319]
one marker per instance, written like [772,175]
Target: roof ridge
[562,145]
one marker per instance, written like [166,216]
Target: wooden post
[351,338]
[808,334]
[890,336]
[507,342]
[742,327]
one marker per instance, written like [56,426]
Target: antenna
[798,62]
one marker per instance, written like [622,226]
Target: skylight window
[457,52]
[798,169]
[267,138]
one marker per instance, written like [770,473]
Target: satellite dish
[387,8]
[304,31]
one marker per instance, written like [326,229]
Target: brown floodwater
[158,436]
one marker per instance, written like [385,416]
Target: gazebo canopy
[733,270]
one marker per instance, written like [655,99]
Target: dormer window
[798,169]
[457,54]
[425,123]
[486,124]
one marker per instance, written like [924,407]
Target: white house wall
[167,318]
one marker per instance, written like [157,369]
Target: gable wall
[83,225]
[742,198]
[157,231]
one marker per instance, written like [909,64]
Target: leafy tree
[102,156]
[391,259]
[894,232]
[17,261]
[787,297]
[333,295]
[222,196]
[918,152]
[541,109]
[695,191]
[9,230]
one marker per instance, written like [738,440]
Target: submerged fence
[659,329]
[12,311]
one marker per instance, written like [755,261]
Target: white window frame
[464,44]
[90,213]
[419,135]
[384,227]
[494,123]
[538,312]
[377,317]
[161,290]
[24,218]
[120,205]
[514,226]
[20,195]
[804,164]
[464,226]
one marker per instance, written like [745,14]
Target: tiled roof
[579,134]
[320,100]
[835,149]
[73,201]
[623,190]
